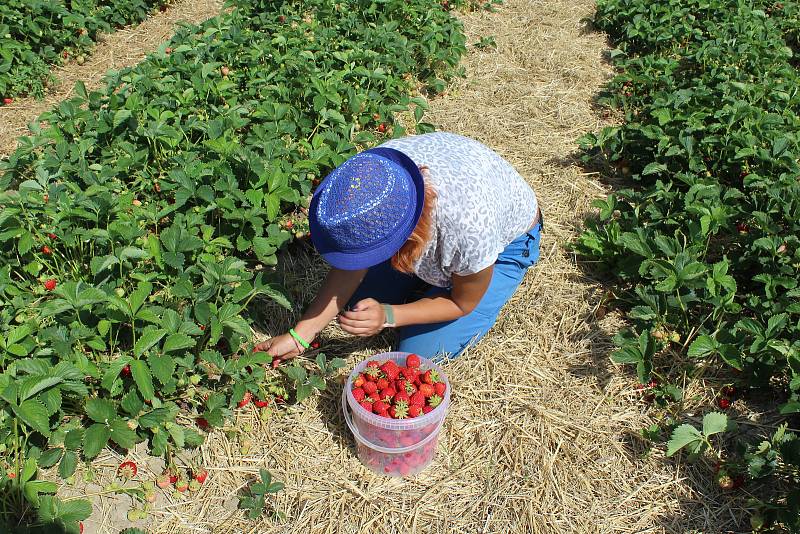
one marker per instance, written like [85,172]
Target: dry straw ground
[120,49]
[542,432]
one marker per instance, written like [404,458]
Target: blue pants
[449,339]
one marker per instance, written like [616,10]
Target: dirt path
[120,49]
[542,435]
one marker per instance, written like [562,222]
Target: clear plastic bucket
[394,447]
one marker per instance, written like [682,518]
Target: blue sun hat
[366,208]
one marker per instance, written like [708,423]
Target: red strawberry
[359,394]
[50,284]
[370,388]
[315,344]
[427,409]
[202,423]
[200,475]
[379,406]
[127,469]
[8,101]
[381,127]
[80,527]
[391,370]
[382,383]
[410,373]
[52,236]
[261,403]
[724,403]
[366,404]
[373,363]
[46,250]
[359,381]
[126,371]
[426,390]
[417,399]
[399,410]
[245,400]
[440,388]
[182,485]
[401,396]
[435,401]
[371,373]
[168,50]
[282,18]
[413,361]
[173,477]
[387,394]
[414,410]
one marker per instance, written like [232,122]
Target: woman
[430,234]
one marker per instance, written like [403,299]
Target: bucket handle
[386,450]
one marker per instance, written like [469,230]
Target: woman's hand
[365,319]
[281,348]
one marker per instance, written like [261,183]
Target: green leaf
[34,414]
[34,385]
[74,510]
[714,423]
[68,464]
[100,410]
[162,366]
[684,436]
[702,346]
[178,341]
[150,336]
[122,435]
[143,379]
[95,439]
[304,391]
[50,457]
[33,488]
[131,403]
[73,439]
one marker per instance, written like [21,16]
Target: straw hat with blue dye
[366,208]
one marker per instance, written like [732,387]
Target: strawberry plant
[702,240]
[37,34]
[141,222]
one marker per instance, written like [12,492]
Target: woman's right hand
[281,348]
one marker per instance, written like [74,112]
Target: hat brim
[364,259]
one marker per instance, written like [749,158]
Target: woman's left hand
[365,319]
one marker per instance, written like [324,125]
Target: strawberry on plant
[126,371]
[194,485]
[202,423]
[182,485]
[80,527]
[359,394]
[245,400]
[315,344]
[127,469]
[8,101]
[261,403]
[413,361]
[200,475]
[50,285]
[381,127]
[163,481]
[46,250]
[51,235]
[724,403]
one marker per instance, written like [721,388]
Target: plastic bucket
[394,447]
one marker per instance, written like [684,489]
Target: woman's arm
[336,290]
[368,317]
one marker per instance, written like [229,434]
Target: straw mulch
[543,432]
[117,50]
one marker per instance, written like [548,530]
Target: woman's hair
[405,258]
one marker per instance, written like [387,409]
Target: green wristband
[389,313]
[303,343]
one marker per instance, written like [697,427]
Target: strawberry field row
[704,241]
[36,34]
[137,221]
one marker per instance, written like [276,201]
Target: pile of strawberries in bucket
[390,390]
